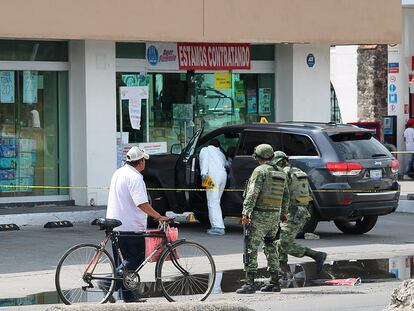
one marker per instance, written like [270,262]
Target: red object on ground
[344,282]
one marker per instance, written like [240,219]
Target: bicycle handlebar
[163,224]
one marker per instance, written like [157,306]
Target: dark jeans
[133,251]
[410,163]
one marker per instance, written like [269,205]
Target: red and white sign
[213,56]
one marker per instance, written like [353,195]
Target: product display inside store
[181,103]
[32,153]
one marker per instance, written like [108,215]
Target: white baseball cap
[135,154]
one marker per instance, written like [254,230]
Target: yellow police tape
[402,152]
[182,189]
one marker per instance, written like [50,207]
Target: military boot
[273,286]
[248,288]
[319,258]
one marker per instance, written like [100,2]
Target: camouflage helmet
[263,151]
[280,155]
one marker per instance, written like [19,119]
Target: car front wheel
[359,226]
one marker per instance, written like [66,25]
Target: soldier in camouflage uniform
[265,203]
[298,215]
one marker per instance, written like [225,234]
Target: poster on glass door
[6,87]
[29,87]
[265,95]
[134,95]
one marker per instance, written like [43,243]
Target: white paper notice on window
[135,113]
[29,87]
[7,87]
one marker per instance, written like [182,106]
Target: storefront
[33,120]
[63,117]
[192,86]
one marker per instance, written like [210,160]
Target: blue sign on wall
[392,98]
[310,60]
[152,55]
[392,88]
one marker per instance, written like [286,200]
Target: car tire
[310,225]
[158,202]
[360,226]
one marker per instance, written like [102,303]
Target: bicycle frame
[112,236]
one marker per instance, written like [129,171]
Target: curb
[405,206]
[172,306]
[39,219]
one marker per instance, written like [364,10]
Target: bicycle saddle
[107,223]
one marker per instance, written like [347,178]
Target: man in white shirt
[213,163]
[128,202]
[409,143]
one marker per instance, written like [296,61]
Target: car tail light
[344,168]
[395,166]
[345,201]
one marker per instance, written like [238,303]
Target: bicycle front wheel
[186,272]
[85,274]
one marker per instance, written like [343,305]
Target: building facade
[67,107]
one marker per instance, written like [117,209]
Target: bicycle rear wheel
[186,272]
[77,271]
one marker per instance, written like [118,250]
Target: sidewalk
[38,216]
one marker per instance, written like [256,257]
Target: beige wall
[273,21]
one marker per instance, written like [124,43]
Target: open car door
[185,170]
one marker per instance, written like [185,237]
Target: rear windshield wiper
[378,155]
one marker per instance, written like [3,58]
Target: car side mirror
[176,149]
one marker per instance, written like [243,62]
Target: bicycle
[184,270]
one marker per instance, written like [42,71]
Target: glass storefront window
[28,50]
[263,52]
[136,50]
[34,132]
[130,50]
[181,103]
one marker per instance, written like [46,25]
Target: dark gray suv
[352,175]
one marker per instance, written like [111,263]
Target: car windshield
[359,145]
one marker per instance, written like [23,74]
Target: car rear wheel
[359,226]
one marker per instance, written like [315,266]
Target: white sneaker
[216,231]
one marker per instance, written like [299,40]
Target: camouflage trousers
[263,229]
[286,243]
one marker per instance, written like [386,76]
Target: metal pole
[147,118]
[120,123]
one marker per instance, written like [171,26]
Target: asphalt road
[28,258]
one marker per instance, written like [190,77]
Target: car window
[253,138]
[189,149]
[298,145]
[358,146]
[228,143]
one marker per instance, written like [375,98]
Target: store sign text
[213,56]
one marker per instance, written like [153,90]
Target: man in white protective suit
[213,164]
